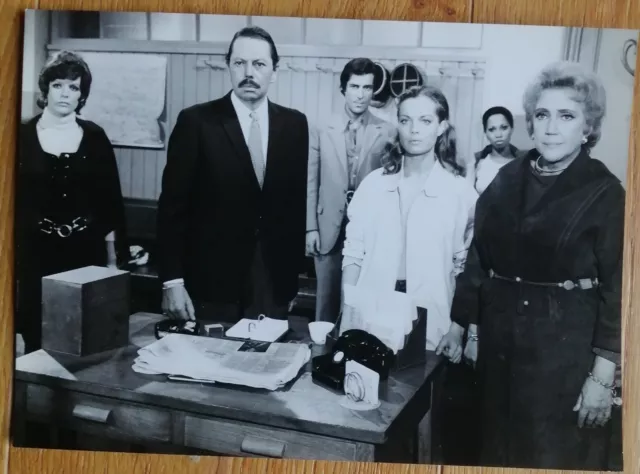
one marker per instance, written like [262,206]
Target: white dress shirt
[439,229]
[244,117]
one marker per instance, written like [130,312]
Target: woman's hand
[595,399]
[451,344]
[594,404]
[471,352]
[470,355]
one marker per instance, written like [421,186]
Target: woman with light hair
[411,221]
[69,206]
[541,292]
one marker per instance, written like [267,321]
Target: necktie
[255,148]
[353,133]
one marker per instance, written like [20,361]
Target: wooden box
[86,311]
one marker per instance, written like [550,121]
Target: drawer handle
[86,412]
[262,447]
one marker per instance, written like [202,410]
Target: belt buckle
[585,284]
[50,226]
[79,223]
[64,230]
[568,285]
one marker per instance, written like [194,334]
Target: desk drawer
[101,415]
[245,439]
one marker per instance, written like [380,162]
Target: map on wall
[127,97]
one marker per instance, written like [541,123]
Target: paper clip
[252,326]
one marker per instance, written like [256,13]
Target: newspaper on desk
[254,364]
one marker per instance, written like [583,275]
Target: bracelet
[601,382]
[472,337]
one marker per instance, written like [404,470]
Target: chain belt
[582,284]
[63,230]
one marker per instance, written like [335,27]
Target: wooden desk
[102,395]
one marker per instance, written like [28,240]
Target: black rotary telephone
[359,346]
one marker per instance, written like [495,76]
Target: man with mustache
[231,216]
[342,152]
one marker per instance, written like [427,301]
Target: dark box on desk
[86,311]
[414,351]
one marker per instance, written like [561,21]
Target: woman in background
[497,123]
[69,206]
[541,292]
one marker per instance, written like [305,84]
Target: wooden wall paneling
[138,176]
[298,83]
[337,99]
[283,84]
[189,76]
[478,106]
[312,82]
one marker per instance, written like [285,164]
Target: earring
[584,140]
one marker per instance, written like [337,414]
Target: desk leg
[365,452]
[425,439]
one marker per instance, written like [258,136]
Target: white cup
[319,331]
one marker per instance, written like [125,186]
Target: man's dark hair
[254,32]
[358,67]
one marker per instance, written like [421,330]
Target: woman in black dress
[541,292]
[69,206]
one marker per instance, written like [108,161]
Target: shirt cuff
[348,260]
[172,283]
[609,355]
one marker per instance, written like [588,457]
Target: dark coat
[81,184]
[537,343]
[212,212]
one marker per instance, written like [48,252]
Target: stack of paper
[252,364]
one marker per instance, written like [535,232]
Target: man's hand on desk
[177,304]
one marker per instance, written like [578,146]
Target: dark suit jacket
[212,212]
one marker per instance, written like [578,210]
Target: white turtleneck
[59,135]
